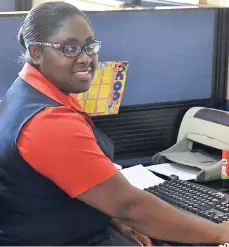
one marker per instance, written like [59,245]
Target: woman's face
[69,74]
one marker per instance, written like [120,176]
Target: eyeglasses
[73,50]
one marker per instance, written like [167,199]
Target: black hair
[43,21]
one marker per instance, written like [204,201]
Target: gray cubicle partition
[7,5]
[171,64]
[170,52]
[15,5]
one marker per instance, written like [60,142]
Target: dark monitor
[136,2]
[133,3]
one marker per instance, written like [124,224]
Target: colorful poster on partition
[105,94]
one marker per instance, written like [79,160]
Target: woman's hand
[132,234]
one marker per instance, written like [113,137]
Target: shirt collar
[35,79]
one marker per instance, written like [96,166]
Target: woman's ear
[35,53]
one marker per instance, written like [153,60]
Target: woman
[58,185]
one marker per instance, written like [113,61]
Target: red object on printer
[225,169]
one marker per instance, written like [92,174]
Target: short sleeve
[60,145]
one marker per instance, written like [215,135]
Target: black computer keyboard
[203,201]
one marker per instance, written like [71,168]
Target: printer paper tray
[194,159]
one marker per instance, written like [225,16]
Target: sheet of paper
[140,177]
[85,6]
[183,172]
[117,166]
[93,5]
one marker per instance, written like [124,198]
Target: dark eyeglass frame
[61,47]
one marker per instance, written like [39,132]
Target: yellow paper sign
[105,94]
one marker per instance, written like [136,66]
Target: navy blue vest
[33,210]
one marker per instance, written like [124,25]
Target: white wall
[219,3]
[36,2]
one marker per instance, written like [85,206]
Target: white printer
[203,134]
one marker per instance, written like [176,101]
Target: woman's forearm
[160,220]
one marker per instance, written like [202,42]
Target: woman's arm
[150,215]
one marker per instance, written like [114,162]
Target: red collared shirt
[59,143]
